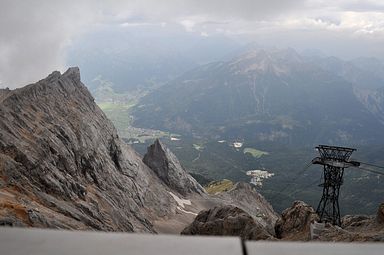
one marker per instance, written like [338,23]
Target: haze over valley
[194,117]
[267,99]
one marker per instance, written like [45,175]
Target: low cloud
[34,34]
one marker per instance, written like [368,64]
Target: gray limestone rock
[246,197]
[295,222]
[63,165]
[227,221]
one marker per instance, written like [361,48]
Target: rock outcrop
[240,211]
[246,197]
[227,221]
[295,222]
[349,221]
[62,164]
[356,228]
[359,232]
[168,168]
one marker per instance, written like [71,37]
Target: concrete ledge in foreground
[313,248]
[59,242]
[17,241]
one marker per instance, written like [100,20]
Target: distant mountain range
[274,95]
[143,56]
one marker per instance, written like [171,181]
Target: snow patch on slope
[181,203]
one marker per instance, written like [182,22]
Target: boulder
[295,222]
[227,220]
[246,197]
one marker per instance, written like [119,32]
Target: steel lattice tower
[334,160]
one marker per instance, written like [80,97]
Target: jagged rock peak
[72,72]
[53,86]
[69,78]
[168,168]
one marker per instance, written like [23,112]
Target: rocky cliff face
[62,164]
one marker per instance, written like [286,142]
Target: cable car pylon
[334,160]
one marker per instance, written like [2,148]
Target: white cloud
[33,35]
[363,23]
[188,24]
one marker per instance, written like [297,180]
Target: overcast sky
[34,34]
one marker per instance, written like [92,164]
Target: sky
[35,34]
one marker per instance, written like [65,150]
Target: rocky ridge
[62,164]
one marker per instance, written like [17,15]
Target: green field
[219,186]
[111,106]
[118,106]
[118,113]
[255,153]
